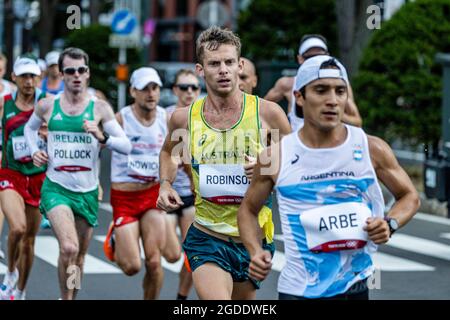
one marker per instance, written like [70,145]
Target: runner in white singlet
[330,203]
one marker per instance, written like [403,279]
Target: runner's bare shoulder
[45,106]
[179,118]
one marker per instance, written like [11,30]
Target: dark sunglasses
[71,70]
[185,87]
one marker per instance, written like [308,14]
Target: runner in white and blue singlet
[330,203]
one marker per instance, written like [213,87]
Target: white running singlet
[142,164]
[325,196]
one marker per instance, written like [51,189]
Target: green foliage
[94,39]
[399,85]
[271,30]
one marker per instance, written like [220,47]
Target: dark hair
[184,71]
[212,38]
[74,53]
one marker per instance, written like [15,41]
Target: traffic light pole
[121,90]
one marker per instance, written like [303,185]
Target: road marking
[47,249]
[445,235]
[3,268]
[431,218]
[105,206]
[420,245]
[278,261]
[385,261]
[174,267]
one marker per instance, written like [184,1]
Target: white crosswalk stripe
[174,267]
[47,249]
[3,268]
[387,262]
[445,235]
[420,245]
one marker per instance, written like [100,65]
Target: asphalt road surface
[415,264]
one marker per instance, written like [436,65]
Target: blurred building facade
[178,23]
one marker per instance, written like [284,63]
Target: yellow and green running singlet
[218,157]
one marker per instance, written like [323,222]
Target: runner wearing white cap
[135,187]
[330,203]
[53,82]
[20,180]
[70,190]
[310,46]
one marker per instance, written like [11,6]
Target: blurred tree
[399,84]
[48,12]
[271,30]
[103,59]
[353,34]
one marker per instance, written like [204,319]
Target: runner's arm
[398,183]
[275,119]
[117,140]
[255,197]
[174,146]
[277,92]
[31,132]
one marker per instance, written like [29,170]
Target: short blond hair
[212,38]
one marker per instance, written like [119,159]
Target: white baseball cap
[311,70]
[51,58]
[143,76]
[313,42]
[42,64]
[25,65]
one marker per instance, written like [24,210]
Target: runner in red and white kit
[20,180]
[135,187]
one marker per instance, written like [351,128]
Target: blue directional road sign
[123,22]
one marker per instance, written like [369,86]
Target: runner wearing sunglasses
[77,124]
[187,89]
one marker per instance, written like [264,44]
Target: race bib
[336,227]
[143,167]
[21,150]
[223,183]
[73,151]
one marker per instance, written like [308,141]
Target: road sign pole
[122,85]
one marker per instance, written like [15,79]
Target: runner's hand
[92,128]
[168,199]
[260,265]
[378,230]
[40,158]
[248,167]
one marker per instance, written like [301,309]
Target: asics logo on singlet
[202,140]
[334,174]
[296,159]
[57,117]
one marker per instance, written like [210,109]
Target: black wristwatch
[392,223]
[106,135]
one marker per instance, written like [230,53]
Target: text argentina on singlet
[327,175]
